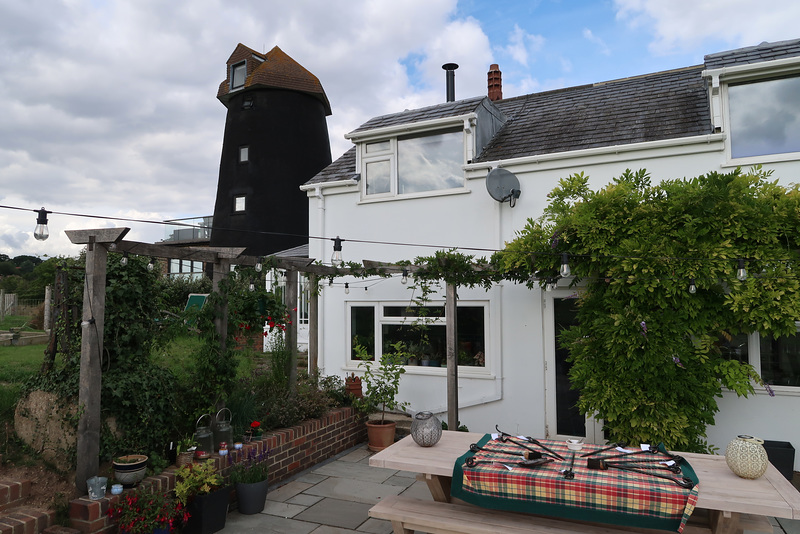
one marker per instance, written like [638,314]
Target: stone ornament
[746,456]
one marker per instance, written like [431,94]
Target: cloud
[681,25]
[592,38]
[522,44]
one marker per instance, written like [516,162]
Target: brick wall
[292,450]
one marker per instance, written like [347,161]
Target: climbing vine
[645,355]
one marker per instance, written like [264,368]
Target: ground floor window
[777,359]
[378,326]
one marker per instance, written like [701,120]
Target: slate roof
[343,168]
[275,70]
[653,107]
[754,54]
[439,111]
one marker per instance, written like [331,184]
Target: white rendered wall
[513,395]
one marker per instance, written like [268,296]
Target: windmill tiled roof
[275,70]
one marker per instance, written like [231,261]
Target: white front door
[562,417]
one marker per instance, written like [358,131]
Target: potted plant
[203,491]
[249,477]
[147,511]
[352,384]
[129,469]
[254,432]
[382,384]
[185,451]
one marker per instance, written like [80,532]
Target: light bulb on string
[336,258]
[259,265]
[124,260]
[565,271]
[41,231]
[252,285]
[151,265]
[404,278]
[741,272]
[346,288]
[692,287]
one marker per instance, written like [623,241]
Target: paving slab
[282,509]
[354,490]
[376,526]
[357,471]
[325,529]
[336,513]
[356,456]
[418,490]
[287,491]
[399,481]
[790,526]
[261,523]
[304,500]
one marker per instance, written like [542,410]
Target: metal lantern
[203,436]
[426,429]
[222,429]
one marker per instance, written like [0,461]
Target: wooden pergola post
[94,305]
[451,335]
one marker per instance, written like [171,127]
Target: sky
[108,107]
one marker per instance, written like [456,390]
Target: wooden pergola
[100,241]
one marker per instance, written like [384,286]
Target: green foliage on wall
[645,355]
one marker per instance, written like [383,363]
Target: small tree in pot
[382,384]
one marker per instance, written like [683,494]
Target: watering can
[223,432]
[204,436]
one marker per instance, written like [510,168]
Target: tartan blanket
[613,496]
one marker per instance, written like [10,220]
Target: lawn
[15,321]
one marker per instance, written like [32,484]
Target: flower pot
[353,386]
[208,512]
[252,496]
[130,470]
[380,436]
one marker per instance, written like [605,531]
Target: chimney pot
[451,80]
[495,82]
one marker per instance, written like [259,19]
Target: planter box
[209,512]
[781,455]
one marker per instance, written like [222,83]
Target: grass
[15,321]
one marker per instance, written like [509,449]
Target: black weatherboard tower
[276,139]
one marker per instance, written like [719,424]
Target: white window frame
[236,199]
[754,359]
[244,153]
[380,319]
[719,82]
[242,64]
[390,133]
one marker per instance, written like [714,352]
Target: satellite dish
[503,186]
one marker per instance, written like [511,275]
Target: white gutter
[708,139]
[388,131]
[325,185]
[752,70]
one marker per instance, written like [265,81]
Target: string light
[741,272]
[151,265]
[692,287]
[336,258]
[252,285]
[124,260]
[259,265]
[346,288]
[41,232]
[404,278]
[565,270]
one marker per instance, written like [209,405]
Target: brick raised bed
[292,450]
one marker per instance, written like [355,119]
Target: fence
[12,305]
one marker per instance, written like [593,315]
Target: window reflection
[430,162]
[765,117]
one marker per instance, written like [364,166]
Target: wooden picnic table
[726,497]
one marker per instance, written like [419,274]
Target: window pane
[362,328]
[735,348]
[569,420]
[412,311]
[239,203]
[378,177]
[471,336]
[433,351]
[238,75]
[430,163]
[380,146]
[244,153]
[765,117]
[780,360]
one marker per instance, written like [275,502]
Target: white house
[418,178]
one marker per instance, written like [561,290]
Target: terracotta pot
[380,436]
[353,386]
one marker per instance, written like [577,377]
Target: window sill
[422,370]
[427,194]
[760,160]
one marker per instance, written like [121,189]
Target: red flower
[254,425]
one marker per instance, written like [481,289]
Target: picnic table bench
[726,504]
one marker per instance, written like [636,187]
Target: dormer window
[238,75]
[764,117]
[413,164]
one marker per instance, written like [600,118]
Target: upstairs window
[764,117]
[244,154]
[238,75]
[239,204]
[413,164]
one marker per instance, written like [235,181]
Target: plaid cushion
[607,496]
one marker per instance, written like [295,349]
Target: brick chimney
[495,79]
